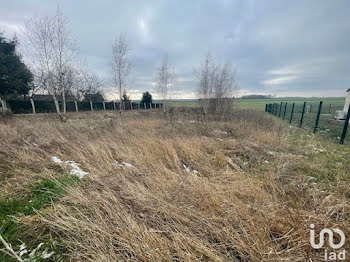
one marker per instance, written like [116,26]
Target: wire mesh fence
[316,117]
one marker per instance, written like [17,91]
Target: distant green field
[260,103]
[184,103]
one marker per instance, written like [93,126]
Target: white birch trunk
[3,104]
[64,104]
[57,106]
[33,105]
[120,96]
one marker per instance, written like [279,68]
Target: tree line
[52,65]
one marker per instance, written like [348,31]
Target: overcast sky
[286,48]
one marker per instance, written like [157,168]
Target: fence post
[279,113]
[131,105]
[76,106]
[265,107]
[114,107]
[310,110]
[318,116]
[104,105]
[285,110]
[274,108]
[302,115]
[144,106]
[291,114]
[346,124]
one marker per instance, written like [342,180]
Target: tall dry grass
[248,201]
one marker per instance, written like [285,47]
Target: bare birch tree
[206,82]
[217,86]
[52,53]
[165,80]
[35,87]
[120,65]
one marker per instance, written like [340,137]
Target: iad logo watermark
[339,255]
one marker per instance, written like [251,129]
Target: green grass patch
[47,191]
[329,168]
[39,196]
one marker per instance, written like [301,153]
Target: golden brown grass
[251,200]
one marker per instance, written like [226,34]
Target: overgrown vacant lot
[174,189]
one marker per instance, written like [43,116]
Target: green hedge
[84,106]
[19,106]
[109,106]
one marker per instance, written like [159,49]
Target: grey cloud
[279,47]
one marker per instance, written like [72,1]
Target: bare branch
[165,80]
[51,52]
[8,250]
[120,64]
[217,86]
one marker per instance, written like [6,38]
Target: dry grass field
[169,189]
